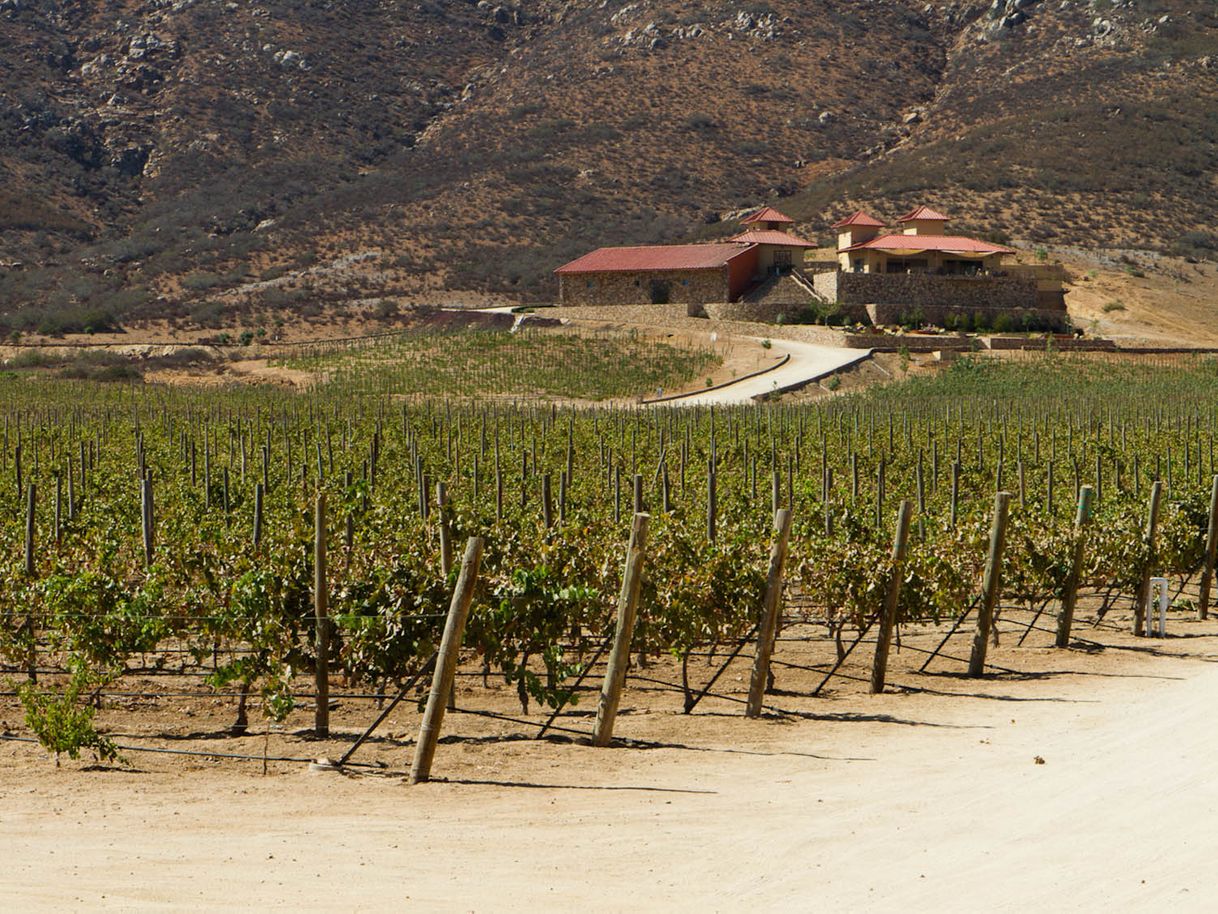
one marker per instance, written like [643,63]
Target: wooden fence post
[1152,527]
[446,662]
[888,616]
[1211,548]
[627,608]
[991,586]
[321,717]
[770,611]
[1065,618]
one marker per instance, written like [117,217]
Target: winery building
[686,274]
[914,274]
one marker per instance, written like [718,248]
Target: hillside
[199,160]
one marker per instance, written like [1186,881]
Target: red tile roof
[925,214]
[858,218]
[767,214]
[655,257]
[948,244]
[771,236]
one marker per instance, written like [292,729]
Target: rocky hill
[196,159]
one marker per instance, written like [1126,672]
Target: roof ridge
[858,217]
[924,213]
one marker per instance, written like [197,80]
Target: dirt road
[932,801]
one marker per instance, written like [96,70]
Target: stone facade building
[687,274]
[921,274]
[916,274]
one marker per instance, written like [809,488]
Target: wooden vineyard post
[258,490]
[58,507]
[446,540]
[31,500]
[991,586]
[770,611]
[955,494]
[888,615]
[1211,548]
[1065,618]
[147,515]
[321,718]
[627,608]
[711,506]
[446,662]
[1152,527]
[547,502]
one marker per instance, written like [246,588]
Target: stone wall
[622,288]
[766,312]
[825,284]
[910,342]
[925,290]
[1061,344]
[782,290]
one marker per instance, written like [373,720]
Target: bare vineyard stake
[321,718]
[72,486]
[547,504]
[892,598]
[1065,618]
[619,657]
[258,490]
[955,495]
[31,497]
[991,586]
[446,662]
[1152,527]
[1211,547]
[769,613]
[446,542]
[148,518]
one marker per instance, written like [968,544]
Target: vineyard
[279,552]
[530,362]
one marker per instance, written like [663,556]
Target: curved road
[806,364]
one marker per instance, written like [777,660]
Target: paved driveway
[807,363]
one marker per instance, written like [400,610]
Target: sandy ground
[927,798]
